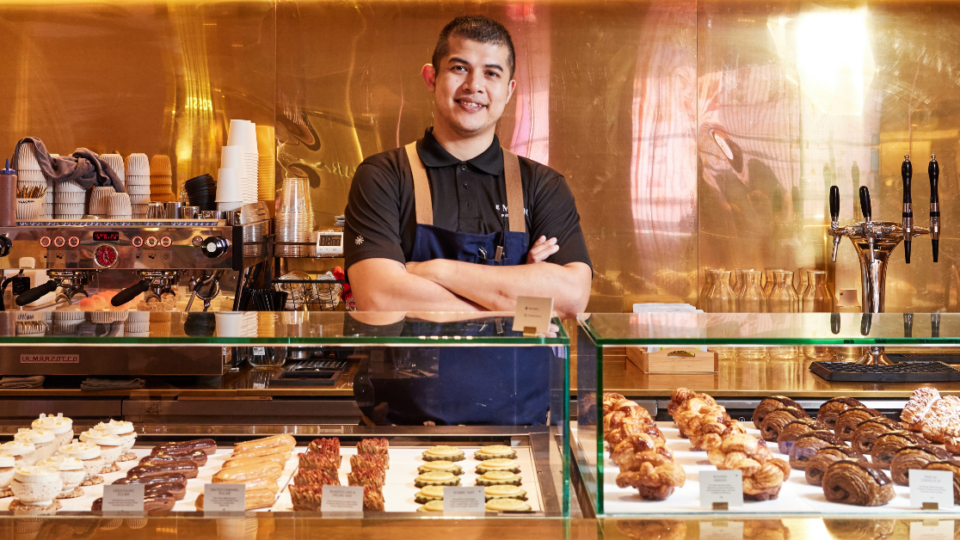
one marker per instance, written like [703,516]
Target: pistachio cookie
[498,464]
[507,505]
[429,493]
[497,478]
[437,478]
[447,466]
[443,453]
[504,492]
[494,451]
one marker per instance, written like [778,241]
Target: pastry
[318,477]
[914,457]
[498,464]
[111,445]
[493,478]
[628,409]
[373,446]
[207,446]
[951,436]
[952,466]
[44,442]
[429,493]
[7,466]
[122,429]
[309,460]
[866,433]
[59,425]
[89,454]
[855,482]
[505,491]
[247,474]
[763,475]
[770,404]
[494,451]
[630,427]
[431,506]
[638,443]
[447,466]
[372,500]
[773,422]
[20,509]
[254,499]
[443,453]
[826,456]
[283,449]
[198,458]
[155,505]
[36,485]
[329,446]
[366,477]
[887,445]
[368,461]
[276,458]
[712,431]
[653,476]
[609,400]
[507,505]
[176,489]
[807,445]
[915,411]
[832,408]
[934,424]
[849,419]
[165,478]
[72,474]
[437,478]
[679,396]
[697,410]
[792,430]
[266,442]
[187,469]
[23,452]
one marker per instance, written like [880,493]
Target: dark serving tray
[898,373]
[320,377]
[945,358]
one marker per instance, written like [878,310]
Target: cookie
[504,492]
[446,466]
[432,506]
[495,451]
[498,464]
[437,478]
[129,456]
[496,478]
[95,481]
[77,492]
[429,493]
[20,509]
[111,469]
[443,453]
[508,505]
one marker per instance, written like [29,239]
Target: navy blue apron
[461,385]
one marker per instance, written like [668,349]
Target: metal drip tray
[898,373]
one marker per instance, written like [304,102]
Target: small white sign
[259,351]
[224,498]
[342,499]
[713,530]
[941,530]
[533,314]
[931,487]
[721,487]
[123,499]
[464,500]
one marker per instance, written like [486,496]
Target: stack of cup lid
[69,200]
[29,175]
[115,161]
[100,201]
[266,168]
[161,179]
[138,184]
[244,133]
[229,189]
[51,189]
[119,206]
[202,192]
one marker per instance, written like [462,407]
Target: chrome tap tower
[876,240]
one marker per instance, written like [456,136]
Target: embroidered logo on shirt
[358,240]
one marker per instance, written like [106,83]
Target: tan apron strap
[511,175]
[421,186]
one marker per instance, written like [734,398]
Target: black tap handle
[865,203]
[934,171]
[866,322]
[906,171]
[908,325]
[935,325]
[36,293]
[129,294]
[835,323]
[834,203]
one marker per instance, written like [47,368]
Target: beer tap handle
[933,170]
[865,204]
[908,325]
[835,218]
[906,171]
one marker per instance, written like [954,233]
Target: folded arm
[385,285]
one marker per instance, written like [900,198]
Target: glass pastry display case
[418,402]
[665,400]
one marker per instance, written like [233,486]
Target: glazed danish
[855,482]
[915,411]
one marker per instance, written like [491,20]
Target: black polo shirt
[468,196]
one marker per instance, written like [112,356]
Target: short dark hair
[477,28]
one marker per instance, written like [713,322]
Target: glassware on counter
[750,297]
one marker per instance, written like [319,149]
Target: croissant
[794,429]
[866,433]
[934,425]
[952,466]
[887,445]
[609,400]
[849,419]
[678,397]
[826,456]
[640,442]
[775,421]
[855,482]
[914,457]
[654,482]
[806,446]
[915,411]
[713,433]
[769,405]
[832,408]
[660,529]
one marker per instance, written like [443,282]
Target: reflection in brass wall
[136,76]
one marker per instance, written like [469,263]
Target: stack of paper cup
[29,175]
[244,133]
[232,157]
[161,179]
[69,200]
[138,184]
[229,189]
[51,189]
[266,169]
[119,206]
[100,201]
[115,161]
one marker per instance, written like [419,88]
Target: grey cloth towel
[92,384]
[21,382]
[83,167]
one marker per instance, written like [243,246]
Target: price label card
[710,530]
[464,500]
[931,487]
[123,499]
[533,315]
[224,498]
[721,487]
[342,499]
[941,530]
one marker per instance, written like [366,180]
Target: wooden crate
[673,360]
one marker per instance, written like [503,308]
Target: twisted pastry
[769,405]
[936,421]
[866,433]
[849,419]
[762,474]
[914,457]
[660,529]
[832,408]
[807,445]
[887,445]
[654,482]
[915,411]
[764,485]
[609,400]
[713,433]
[695,412]
[854,482]
[826,456]
[631,461]
[952,466]
[631,427]
[793,430]
[639,442]
[776,420]
[679,396]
